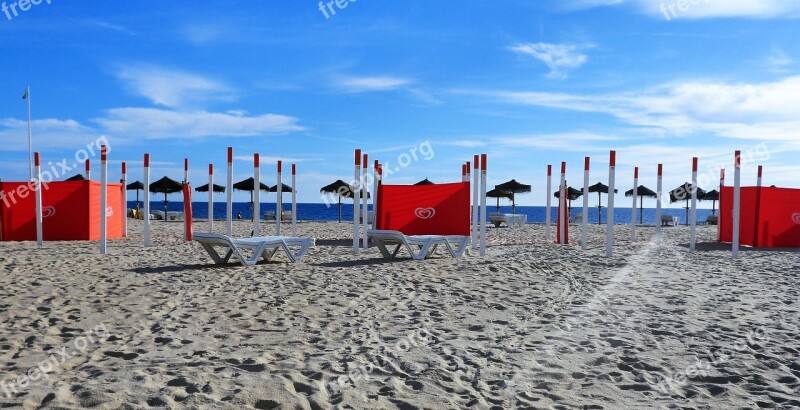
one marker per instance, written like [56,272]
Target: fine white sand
[532,324]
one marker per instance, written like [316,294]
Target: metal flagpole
[30,143]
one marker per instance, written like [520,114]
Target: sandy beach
[531,325]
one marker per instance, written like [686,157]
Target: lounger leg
[301,252]
[269,253]
[423,251]
[215,255]
[384,251]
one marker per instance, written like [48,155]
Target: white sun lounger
[263,246]
[669,220]
[425,245]
[510,219]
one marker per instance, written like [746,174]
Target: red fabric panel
[116,203]
[441,209]
[69,208]
[558,225]
[187,211]
[777,223]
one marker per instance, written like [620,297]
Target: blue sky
[530,83]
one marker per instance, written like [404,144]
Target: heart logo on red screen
[48,211]
[796,218]
[425,213]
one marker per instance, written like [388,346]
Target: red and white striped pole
[476,193]
[719,218]
[88,168]
[37,169]
[756,224]
[257,194]
[693,213]
[210,198]
[229,199]
[124,200]
[562,201]
[294,199]
[378,176]
[760,175]
[365,204]
[187,232]
[585,216]
[146,216]
[633,208]
[737,202]
[483,215]
[548,207]
[610,206]
[356,203]
[279,201]
[103,199]
[659,189]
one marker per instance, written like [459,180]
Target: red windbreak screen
[441,209]
[769,217]
[70,211]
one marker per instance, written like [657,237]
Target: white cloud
[368,84]
[570,141]
[158,123]
[704,9]
[558,57]
[778,62]
[272,160]
[735,110]
[170,87]
[50,133]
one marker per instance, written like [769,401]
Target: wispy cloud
[558,57]
[272,160]
[369,84]
[158,123]
[110,26]
[778,62]
[570,141]
[171,87]
[705,9]
[736,110]
[48,133]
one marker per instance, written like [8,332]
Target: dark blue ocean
[322,212]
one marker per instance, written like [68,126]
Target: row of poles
[478,228]
[229,198]
[563,222]
[361,210]
[147,230]
[37,170]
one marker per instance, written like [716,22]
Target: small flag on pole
[25,94]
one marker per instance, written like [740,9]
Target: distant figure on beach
[239,215]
